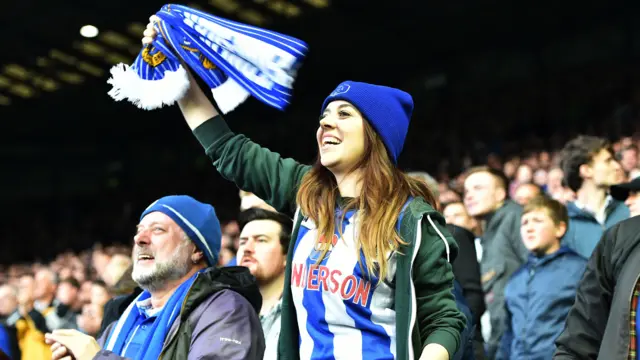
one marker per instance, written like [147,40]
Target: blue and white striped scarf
[235,60]
[154,342]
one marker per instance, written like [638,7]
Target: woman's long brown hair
[385,189]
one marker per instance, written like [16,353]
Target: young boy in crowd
[539,295]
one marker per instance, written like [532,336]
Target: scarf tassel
[229,95]
[148,94]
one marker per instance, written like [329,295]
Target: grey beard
[173,269]
[161,275]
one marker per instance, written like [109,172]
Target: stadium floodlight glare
[89,31]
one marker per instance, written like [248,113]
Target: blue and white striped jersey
[341,312]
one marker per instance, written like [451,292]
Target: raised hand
[195,105]
[150,33]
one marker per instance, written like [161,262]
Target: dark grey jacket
[502,254]
[599,324]
[218,320]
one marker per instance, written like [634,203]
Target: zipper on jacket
[414,307]
[531,274]
[635,284]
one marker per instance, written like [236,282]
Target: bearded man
[188,309]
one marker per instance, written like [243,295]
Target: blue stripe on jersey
[376,343]
[302,231]
[317,326]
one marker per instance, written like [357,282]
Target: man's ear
[561,229]
[197,255]
[586,172]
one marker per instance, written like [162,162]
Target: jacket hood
[417,209]
[234,278]
[575,212]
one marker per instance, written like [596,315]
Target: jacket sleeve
[102,338]
[438,317]
[467,271]
[5,341]
[109,313]
[504,352]
[251,167]
[12,338]
[585,325]
[228,329]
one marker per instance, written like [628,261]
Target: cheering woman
[368,269]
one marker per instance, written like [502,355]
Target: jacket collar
[542,260]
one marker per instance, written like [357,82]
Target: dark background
[487,76]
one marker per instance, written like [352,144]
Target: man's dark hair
[540,190]
[286,224]
[620,153]
[71,281]
[578,152]
[100,283]
[556,211]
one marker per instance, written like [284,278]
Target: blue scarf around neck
[152,346]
